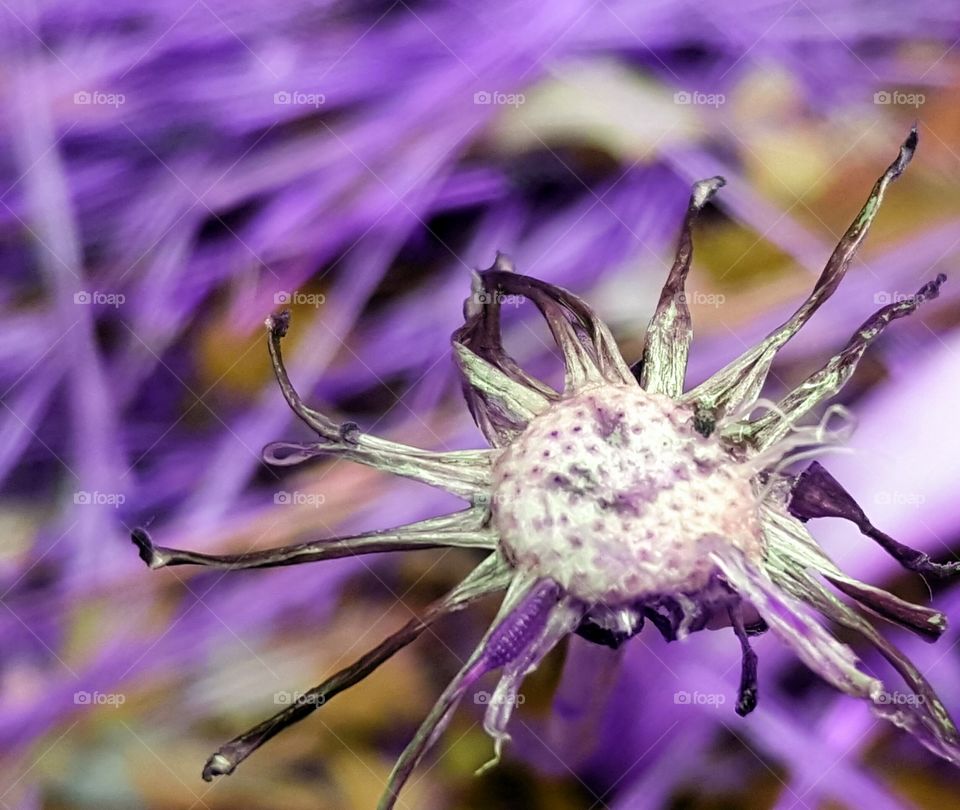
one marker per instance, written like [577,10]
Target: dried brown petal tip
[149,553]
[279,323]
[703,190]
[906,153]
[217,765]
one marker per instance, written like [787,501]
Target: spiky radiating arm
[491,576]
[826,382]
[668,337]
[740,381]
[464,473]
[461,530]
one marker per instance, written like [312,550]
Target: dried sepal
[667,341]
[524,611]
[502,397]
[558,622]
[482,333]
[589,351]
[480,339]
[792,548]
[464,529]
[926,622]
[817,494]
[741,380]
[490,576]
[827,381]
[465,473]
[502,407]
[795,623]
[922,713]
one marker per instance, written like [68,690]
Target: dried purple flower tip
[623,497]
[148,552]
[817,494]
[931,289]
[747,692]
[906,152]
[279,323]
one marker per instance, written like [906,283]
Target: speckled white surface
[613,494]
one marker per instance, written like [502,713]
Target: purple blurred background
[172,171]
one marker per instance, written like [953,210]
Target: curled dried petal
[794,622]
[464,473]
[816,493]
[589,350]
[791,548]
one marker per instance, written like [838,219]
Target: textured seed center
[614,495]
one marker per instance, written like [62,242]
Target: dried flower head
[624,498]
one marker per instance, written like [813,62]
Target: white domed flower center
[615,496]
